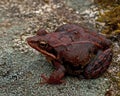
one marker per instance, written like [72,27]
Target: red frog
[73,50]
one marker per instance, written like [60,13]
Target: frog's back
[78,32]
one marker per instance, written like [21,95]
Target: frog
[74,50]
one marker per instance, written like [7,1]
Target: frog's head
[40,42]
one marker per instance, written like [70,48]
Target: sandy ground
[21,66]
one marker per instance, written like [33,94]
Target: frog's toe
[45,79]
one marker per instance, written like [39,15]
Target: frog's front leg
[56,76]
[99,65]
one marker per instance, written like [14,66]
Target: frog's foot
[51,80]
[99,65]
[56,76]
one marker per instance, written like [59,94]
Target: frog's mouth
[35,45]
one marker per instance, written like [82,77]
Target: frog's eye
[43,44]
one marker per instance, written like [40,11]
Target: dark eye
[43,44]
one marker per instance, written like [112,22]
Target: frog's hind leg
[56,76]
[99,65]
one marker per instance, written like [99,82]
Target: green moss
[107,3]
[111,19]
